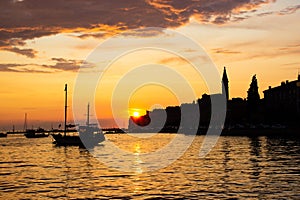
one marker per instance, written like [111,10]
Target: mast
[25,122]
[66,101]
[88,115]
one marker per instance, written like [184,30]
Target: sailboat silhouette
[88,136]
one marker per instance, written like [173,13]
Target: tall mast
[66,101]
[88,115]
[25,122]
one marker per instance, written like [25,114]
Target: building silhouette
[282,103]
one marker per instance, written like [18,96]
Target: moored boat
[86,136]
[35,133]
[3,134]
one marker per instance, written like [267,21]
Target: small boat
[3,134]
[35,133]
[86,136]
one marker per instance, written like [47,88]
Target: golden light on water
[138,161]
[137,149]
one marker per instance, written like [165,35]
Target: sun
[136,114]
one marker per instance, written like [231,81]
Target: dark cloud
[29,19]
[221,19]
[95,35]
[21,68]
[237,19]
[8,67]
[60,65]
[11,39]
[26,52]
[35,18]
[64,64]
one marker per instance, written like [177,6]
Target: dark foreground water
[236,168]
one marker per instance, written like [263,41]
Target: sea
[234,168]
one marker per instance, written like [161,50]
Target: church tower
[225,83]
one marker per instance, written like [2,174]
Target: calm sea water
[236,168]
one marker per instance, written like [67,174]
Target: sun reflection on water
[138,162]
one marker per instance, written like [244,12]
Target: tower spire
[225,88]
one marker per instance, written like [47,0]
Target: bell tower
[225,81]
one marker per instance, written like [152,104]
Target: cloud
[272,53]
[221,19]
[172,60]
[296,64]
[180,60]
[224,51]
[95,35]
[290,47]
[286,11]
[148,32]
[21,68]
[36,18]
[30,53]
[12,39]
[8,67]
[60,65]
[64,64]
[289,10]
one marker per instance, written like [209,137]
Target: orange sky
[43,45]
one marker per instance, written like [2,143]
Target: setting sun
[136,114]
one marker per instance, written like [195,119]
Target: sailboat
[3,134]
[34,133]
[87,136]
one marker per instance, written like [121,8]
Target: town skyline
[278,109]
[138,112]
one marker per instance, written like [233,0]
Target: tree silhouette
[253,100]
[253,97]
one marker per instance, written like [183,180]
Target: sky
[45,44]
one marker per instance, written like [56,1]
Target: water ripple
[237,168]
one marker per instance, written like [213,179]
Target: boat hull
[39,135]
[76,140]
[3,135]
[32,133]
